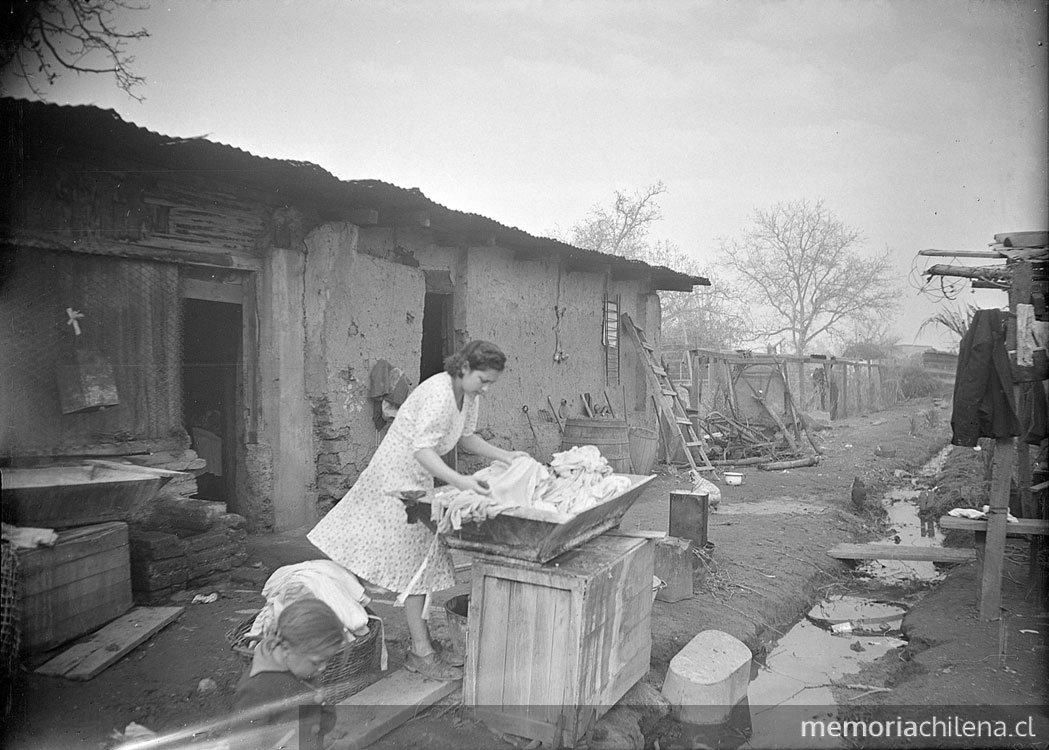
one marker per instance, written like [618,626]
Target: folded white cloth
[978,515]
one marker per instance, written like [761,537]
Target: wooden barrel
[643,445]
[608,435]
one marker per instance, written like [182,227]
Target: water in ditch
[838,636]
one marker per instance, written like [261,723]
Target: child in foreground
[280,688]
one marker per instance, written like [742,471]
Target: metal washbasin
[89,492]
[535,535]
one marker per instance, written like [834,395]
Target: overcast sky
[921,123]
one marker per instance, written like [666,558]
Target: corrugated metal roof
[295,181]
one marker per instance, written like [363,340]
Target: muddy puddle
[795,681]
[906,528]
[804,670]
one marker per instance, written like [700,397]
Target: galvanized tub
[91,492]
[536,535]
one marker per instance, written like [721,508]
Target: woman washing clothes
[368,532]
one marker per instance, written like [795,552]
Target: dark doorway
[211,357]
[437,343]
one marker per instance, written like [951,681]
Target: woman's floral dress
[368,531]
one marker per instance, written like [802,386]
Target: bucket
[456,611]
[608,435]
[643,444]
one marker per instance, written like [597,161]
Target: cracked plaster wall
[362,305]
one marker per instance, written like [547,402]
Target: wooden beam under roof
[970,272]
[1023,239]
[404,217]
[933,253]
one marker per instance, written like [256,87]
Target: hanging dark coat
[983,401]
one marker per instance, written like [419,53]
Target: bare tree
[868,339]
[709,317]
[44,37]
[706,317]
[622,229]
[800,263]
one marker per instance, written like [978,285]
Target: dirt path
[769,564]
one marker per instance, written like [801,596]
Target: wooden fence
[840,387]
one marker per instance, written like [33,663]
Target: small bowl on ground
[733,478]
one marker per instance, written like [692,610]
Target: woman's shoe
[449,656]
[432,667]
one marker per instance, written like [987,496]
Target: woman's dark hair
[479,355]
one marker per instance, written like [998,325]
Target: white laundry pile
[322,579]
[516,483]
[978,515]
[580,478]
[576,479]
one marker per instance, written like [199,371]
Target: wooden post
[710,387]
[872,403]
[843,397]
[991,578]
[832,394]
[693,370]
[800,403]
[1020,293]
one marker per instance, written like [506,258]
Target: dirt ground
[767,567]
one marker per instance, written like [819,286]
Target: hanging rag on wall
[85,377]
[388,388]
[983,402]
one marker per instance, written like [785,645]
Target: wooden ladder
[668,401]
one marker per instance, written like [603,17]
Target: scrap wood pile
[738,442]
[745,429]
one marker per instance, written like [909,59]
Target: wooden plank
[76,576]
[1023,239]
[74,545]
[86,659]
[487,640]
[545,650]
[991,580]
[520,639]
[367,716]
[1023,526]
[47,624]
[901,552]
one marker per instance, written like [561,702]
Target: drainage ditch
[806,672]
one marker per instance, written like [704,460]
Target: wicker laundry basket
[347,672]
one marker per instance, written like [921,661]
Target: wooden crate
[75,587]
[552,647]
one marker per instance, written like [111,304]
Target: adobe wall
[359,309]
[362,303]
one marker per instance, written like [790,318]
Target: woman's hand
[471,484]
